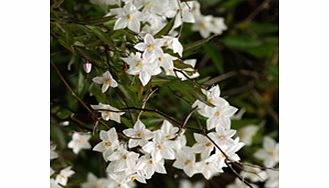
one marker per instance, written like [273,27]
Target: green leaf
[181,65]
[192,48]
[264,28]
[100,34]
[166,29]
[215,55]
[241,42]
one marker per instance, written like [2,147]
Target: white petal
[120,24]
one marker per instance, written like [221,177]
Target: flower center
[108,143]
[187,162]
[129,17]
[133,178]
[150,161]
[138,64]
[208,144]
[217,114]
[107,82]
[150,47]
[222,137]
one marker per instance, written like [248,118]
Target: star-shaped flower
[159,148]
[109,142]
[106,80]
[108,112]
[143,67]
[150,47]
[79,141]
[139,135]
[185,159]
[269,153]
[128,16]
[63,175]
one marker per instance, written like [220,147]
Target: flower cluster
[144,151]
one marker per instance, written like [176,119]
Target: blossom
[54,184]
[79,142]
[148,166]
[218,115]
[139,135]
[166,61]
[185,160]
[106,80]
[168,130]
[108,112]
[159,148]
[94,182]
[143,67]
[230,152]
[150,47]
[246,133]
[184,14]
[63,175]
[122,160]
[203,145]
[269,153]
[109,142]
[128,16]
[223,137]
[208,167]
[174,44]
[120,180]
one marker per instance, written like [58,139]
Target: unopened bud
[87,67]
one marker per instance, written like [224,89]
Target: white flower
[54,184]
[203,145]
[178,143]
[203,25]
[122,160]
[109,142]
[53,154]
[168,130]
[150,47]
[185,14]
[145,68]
[139,135]
[253,174]
[106,80]
[218,25]
[219,116]
[78,142]
[128,16]
[269,153]
[188,184]
[230,151]
[63,175]
[246,133]
[166,61]
[94,182]
[223,137]
[208,167]
[108,112]
[159,148]
[174,44]
[185,160]
[148,166]
[273,179]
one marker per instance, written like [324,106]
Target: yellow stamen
[222,137]
[129,17]
[187,162]
[217,113]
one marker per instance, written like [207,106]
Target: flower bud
[87,67]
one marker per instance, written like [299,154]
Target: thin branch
[145,101]
[94,116]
